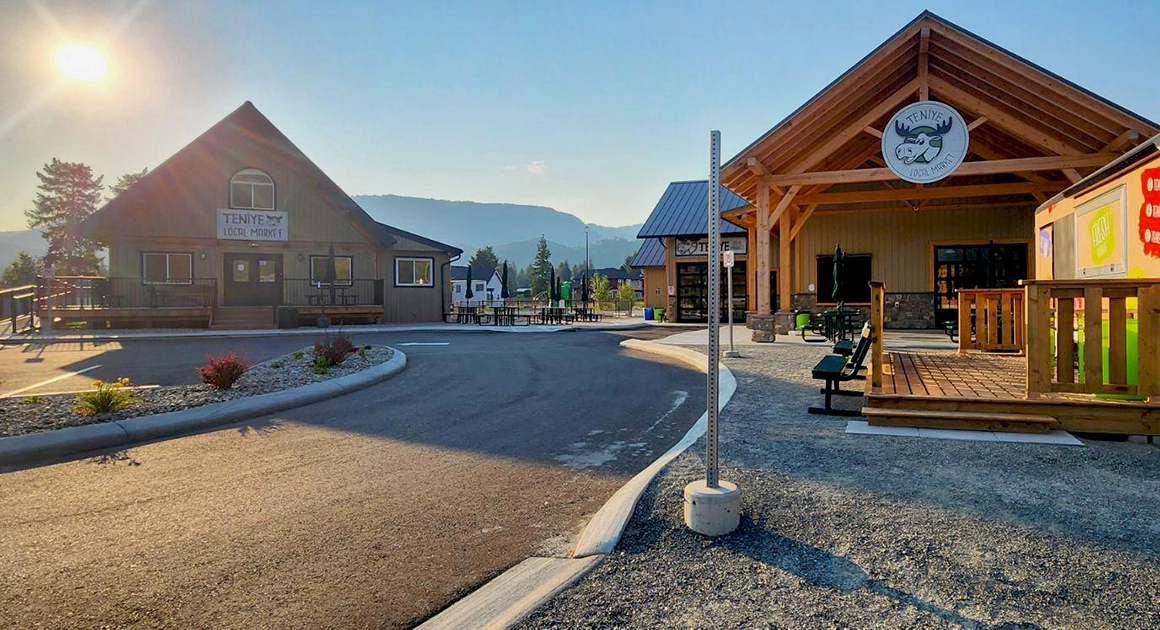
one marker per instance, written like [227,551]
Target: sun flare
[81,63]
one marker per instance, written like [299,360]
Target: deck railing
[877,328]
[1110,356]
[16,304]
[73,293]
[306,292]
[991,319]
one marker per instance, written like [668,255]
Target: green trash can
[659,314]
[802,321]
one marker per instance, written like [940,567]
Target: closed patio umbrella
[503,290]
[838,261]
[331,272]
[551,285]
[470,294]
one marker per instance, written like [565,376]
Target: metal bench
[836,369]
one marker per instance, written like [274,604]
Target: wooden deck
[987,392]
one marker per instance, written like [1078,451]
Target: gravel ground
[31,414]
[867,531]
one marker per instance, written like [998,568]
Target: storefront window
[167,268]
[854,285]
[343,266]
[414,272]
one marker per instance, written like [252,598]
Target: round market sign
[925,142]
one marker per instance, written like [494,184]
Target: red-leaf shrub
[334,348]
[223,371]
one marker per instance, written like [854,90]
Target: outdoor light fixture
[203,255]
[301,257]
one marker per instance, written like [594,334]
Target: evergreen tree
[68,194]
[541,269]
[564,271]
[627,266]
[484,259]
[22,271]
[125,181]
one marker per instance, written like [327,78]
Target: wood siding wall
[900,242]
[655,289]
[415,304]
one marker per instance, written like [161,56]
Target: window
[478,286]
[251,189]
[343,266]
[854,287]
[167,268]
[414,272]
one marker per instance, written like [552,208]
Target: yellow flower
[97,383]
[124,380]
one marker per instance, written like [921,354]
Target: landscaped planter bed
[33,414]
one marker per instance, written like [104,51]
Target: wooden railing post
[1038,318]
[966,301]
[1148,374]
[877,320]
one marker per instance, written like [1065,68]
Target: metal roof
[650,254]
[1123,163]
[682,211]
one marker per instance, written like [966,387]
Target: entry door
[991,266]
[253,279]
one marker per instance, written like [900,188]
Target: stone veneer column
[762,326]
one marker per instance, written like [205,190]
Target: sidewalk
[843,530]
[900,340]
[122,335]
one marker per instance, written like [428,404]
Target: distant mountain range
[512,230]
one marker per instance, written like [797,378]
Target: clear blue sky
[589,107]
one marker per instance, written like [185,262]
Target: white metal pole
[711,464]
[732,353]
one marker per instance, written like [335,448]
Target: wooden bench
[835,369]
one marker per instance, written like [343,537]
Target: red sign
[1150,212]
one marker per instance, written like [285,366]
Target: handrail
[994,315]
[877,330]
[1053,320]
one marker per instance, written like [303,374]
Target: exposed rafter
[988,167]
[941,192]
[924,63]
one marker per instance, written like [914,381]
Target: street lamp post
[587,267]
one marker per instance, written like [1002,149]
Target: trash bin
[648,312]
[802,321]
[659,314]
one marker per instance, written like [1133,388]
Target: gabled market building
[238,229]
[822,177]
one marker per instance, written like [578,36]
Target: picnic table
[835,324]
[342,297]
[585,314]
[554,315]
[501,316]
[463,315]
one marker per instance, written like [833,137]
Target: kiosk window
[854,287]
[342,269]
[414,272]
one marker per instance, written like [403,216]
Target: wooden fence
[1052,322]
[16,308]
[991,320]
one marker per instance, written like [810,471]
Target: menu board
[1150,212]
[1100,234]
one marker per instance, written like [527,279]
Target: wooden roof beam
[1006,205]
[1009,122]
[976,123]
[988,167]
[1130,138]
[872,131]
[801,221]
[786,200]
[756,167]
[941,192]
[924,64]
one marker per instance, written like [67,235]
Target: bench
[843,347]
[836,369]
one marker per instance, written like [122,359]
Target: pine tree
[125,181]
[541,269]
[484,259]
[68,194]
[627,266]
[22,271]
[564,271]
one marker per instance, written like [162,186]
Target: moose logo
[920,144]
[925,142]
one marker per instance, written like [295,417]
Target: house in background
[240,222]
[616,276]
[486,286]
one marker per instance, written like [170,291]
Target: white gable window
[251,189]
[414,272]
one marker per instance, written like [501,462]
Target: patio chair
[836,369]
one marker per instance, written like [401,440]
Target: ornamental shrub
[104,397]
[223,371]
[334,348]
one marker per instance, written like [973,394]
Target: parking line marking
[51,380]
[426,343]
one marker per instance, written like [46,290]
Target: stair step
[966,420]
[243,318]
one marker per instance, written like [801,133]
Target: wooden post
[1093,338]
[1148,376]
[784,273]
[1065,340]
[877,312]
[1117,341]
[1038,340]
[966,300]
[762,254]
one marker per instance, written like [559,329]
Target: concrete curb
[508,599]
[606,527]
[23,449]
[237,334]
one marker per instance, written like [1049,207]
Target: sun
[81,63]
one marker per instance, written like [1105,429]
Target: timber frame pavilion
[818,177]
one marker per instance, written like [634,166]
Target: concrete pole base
[731,354]
[712,511]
